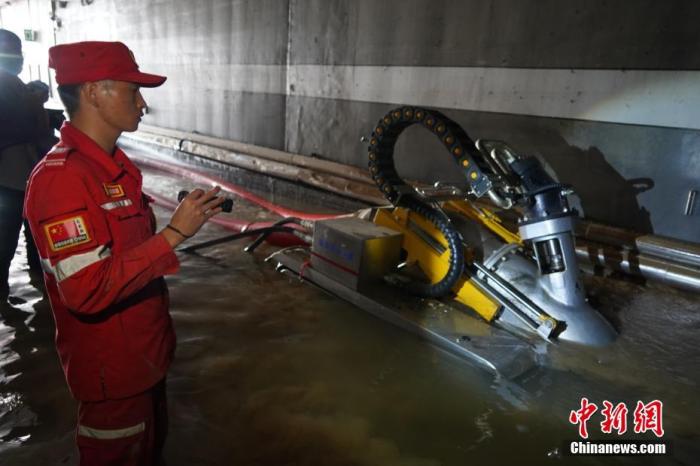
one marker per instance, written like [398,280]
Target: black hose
[235,236]
[258,241]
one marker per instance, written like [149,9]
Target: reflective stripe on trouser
[125,432]
[105,434]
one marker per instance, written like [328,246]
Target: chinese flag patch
[67,233]
[113,189]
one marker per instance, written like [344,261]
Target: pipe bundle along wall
[653,268]
[653,257]
[679,251]
[333,177]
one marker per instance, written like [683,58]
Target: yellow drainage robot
[527,280]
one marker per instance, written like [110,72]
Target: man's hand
[194,210]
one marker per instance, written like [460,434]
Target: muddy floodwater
[272,371]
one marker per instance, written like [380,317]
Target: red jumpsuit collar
[75,139]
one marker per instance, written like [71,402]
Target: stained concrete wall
[200,46]
[607,93]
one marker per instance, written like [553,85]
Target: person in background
[23,124]
[104,262]
[54,117]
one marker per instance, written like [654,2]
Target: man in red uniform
[103,259]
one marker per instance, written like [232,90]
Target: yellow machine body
[426,246]
[486,218]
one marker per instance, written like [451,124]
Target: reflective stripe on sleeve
[77,262]
[110,434]
[48,268]
[116,204]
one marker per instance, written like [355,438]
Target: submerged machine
[454,257]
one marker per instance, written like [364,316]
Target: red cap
[82,62]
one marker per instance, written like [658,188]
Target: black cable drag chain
[455,139]
[401,194]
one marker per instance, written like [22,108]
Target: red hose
[200,177]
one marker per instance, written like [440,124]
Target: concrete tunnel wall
[607,93]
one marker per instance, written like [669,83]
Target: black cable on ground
[258,241]
[235,236]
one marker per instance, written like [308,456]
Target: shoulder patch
[59,150]
[113,190]
[67,233]
[57,156]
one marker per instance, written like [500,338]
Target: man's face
[121,104]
